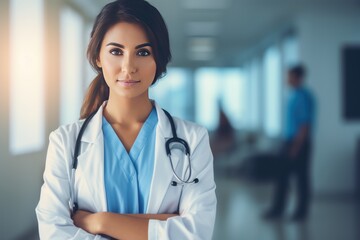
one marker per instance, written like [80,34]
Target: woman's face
[127,60]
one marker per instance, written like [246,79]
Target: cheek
[150,68]
[110,66]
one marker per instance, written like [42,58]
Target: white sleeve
[197,205]
[52,211]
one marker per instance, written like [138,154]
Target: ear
[98,63]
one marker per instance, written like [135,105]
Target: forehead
[127,34]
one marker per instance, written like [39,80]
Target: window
[233,95]
[71,69]
[253,108]
[90,73]
[27,110]
[217,87]
[207,97]
[173,92]
[290,49]
[273,92]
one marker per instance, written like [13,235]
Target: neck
[297,87]
[127,111]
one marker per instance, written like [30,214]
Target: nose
[129,65]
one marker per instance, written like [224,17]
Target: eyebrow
[122,46]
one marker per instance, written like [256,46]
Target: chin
[132,94]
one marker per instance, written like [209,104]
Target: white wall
[322,33]
[21,175]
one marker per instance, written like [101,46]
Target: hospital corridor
[275,84]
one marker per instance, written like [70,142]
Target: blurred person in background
[223,139]
[294,159]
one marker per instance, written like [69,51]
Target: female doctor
[125,184]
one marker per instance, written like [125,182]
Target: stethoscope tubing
[174,172]
[175,139]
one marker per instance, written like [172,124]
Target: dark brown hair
[132,11]
[298,70]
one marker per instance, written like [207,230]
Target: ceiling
[222,29]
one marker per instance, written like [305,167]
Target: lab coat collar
[95,125]
[164,128]
[90,163]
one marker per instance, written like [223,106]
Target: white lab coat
[195,203]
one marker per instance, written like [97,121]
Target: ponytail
[96,94]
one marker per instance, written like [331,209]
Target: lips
[128,82]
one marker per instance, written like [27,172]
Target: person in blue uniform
[296,151]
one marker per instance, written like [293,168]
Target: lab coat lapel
[91,161]
[162,173]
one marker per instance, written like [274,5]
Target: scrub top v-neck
[127,176]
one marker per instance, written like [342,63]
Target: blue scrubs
[300,111]
[127,176]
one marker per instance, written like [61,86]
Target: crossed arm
[198,206]
[119,226]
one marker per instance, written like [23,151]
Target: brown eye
[116,52]
[143,53]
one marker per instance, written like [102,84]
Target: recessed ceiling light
[203,28]
[205,4]
[201,48]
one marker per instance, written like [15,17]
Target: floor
[241,203]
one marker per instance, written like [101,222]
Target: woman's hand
[87,221]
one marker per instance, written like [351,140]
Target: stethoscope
[172,143]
